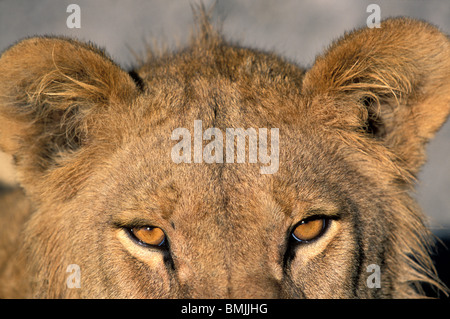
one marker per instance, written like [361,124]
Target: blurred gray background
[298,30]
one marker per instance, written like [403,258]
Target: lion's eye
[308,230]
[147,235]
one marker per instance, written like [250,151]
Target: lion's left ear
[53,92]
[394,81]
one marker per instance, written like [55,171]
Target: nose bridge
[230,265]
[224,254]
[203,272]
[252,273]
[213,275]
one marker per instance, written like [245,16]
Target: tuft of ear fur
[394,80]
[51,91]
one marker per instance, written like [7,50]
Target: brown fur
[91,144]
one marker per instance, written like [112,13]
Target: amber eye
[308,230]
[147,235]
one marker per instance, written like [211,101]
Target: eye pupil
[153,236]
[308,230]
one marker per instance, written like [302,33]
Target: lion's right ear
[51,91]
[392,83]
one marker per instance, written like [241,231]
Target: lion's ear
[51,90]
[394,80]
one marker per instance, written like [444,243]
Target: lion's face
[312,201]
[155,229]
[225,230]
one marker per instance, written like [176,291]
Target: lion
[104,210]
